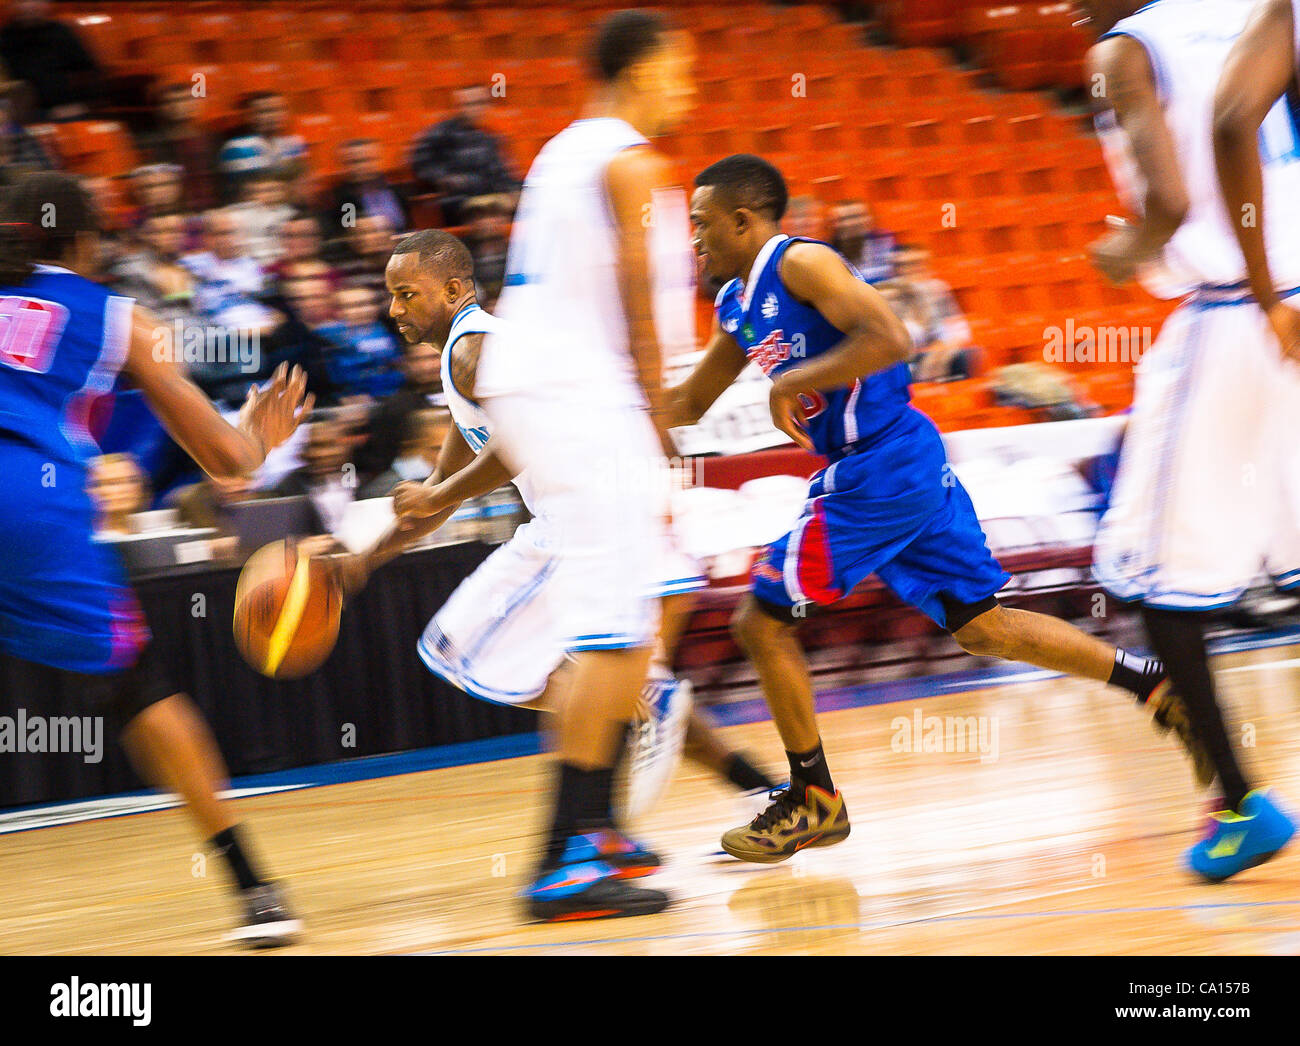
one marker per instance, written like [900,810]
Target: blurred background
[254,162]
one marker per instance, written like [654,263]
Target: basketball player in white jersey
[495,638]
[573,389]
[1207,494]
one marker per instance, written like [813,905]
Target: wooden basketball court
[1064,837]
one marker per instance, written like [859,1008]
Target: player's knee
[750,626]
[983,635]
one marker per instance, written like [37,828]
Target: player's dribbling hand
[1116,255]
[351,570]
[417,501]
[788,414]
[1285,322]
[271,414]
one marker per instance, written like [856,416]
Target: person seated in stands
[118,488]
[49,55]
[157,188]
[20,150]
[179,139]
[941,337]
[363,253]
[854,235]
[202,506]
[804,217]
[421,388]
[365,362]
[459,159]
[153,273]
[488,240]
[301,253]
[425,433]
[364,189]
[305,337]
[260,212]
[326,477]
[262,145]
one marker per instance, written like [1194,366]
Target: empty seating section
[1005,192]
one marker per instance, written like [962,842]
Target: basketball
[286,611]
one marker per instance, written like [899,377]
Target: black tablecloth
[373,695]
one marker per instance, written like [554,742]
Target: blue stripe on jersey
[777,331]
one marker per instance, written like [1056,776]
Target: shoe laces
[784,803]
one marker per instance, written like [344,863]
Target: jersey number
[29,332]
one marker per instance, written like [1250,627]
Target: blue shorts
[894,509]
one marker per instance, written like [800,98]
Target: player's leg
[172,748]
[1205,491]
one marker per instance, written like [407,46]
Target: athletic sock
[1179,638]
[581,805]
[809,768]
[745,775]
[227,844]
[1136,674]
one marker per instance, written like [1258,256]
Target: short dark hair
[439,250]
[748,181]
[623,39]
[39,221]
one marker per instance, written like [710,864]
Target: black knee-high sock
[227,843]
[582,804]
[1178,636]
[809,768]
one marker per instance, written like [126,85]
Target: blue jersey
[64,598]
[777,331]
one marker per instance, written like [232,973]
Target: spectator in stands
[941,336]
[854,235]
[20,150]
[488,239]
[157,189]
[118,488]
[421,388]
[460,160]
[366,362]
[153,273]
[803,217]
[260,212]
[201,504]
[326,477]
[364,189]
[363,255]
[262,145]
[180,140]
[308,304]
[424,433]
[300,253]
[49,55]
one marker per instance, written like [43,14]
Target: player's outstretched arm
[874,338]
[1120,64]
[1259,70]
[631,180]
[268,418]
[721,364]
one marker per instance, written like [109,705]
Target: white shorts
[1208,490]
[498,637]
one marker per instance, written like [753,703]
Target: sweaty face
[716,241]
[416,301]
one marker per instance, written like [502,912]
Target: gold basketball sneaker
[790,824]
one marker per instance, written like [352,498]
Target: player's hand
[350,570]
[272,414]
[788,414]
[419,500]
[1118,254]
[1285,322]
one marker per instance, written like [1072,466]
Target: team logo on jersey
[771,352]
[29,331]
[730,324]
[770,307]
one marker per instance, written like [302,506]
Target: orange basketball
[286,611]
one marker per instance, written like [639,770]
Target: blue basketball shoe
[588,886]
[1237,840]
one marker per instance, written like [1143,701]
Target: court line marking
[884,925]
[515,746]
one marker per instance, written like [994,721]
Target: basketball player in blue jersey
[69,620]
[495,638]
[887,504]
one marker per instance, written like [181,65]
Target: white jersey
[1187,43]
[562,281]
[469,417]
